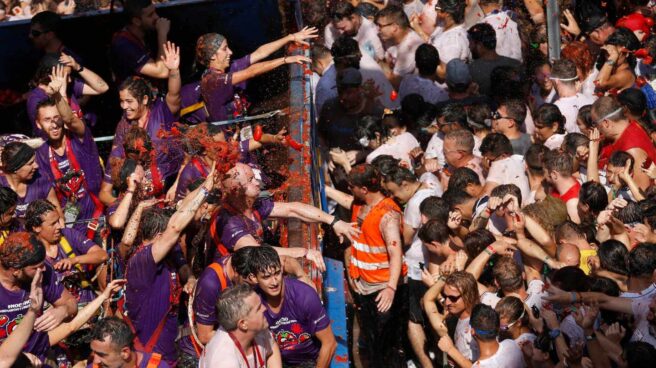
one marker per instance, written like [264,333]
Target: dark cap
[457,73]
[349,77]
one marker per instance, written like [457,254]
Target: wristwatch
[553,334]
[591,337]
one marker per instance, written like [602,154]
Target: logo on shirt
[287,340]
[7,326]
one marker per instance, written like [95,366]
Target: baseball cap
[457,73]
[349,77]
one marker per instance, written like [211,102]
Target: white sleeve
[495,174]
[411,214]
[328,36]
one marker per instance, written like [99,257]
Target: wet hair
[607,286]
[594,195]
[463,176]
[368,126]
[232,306]
[624,37]
[365,175]
[634,100]
[567,230]
[497,144]
[154,220]
[20,249]
[639,354]
[455,113]
[579,53]
[485,322]
[464,139]
[512,308]
[484,34]
[571,278]
[139,88]
[605,106]
[120,179]
[433,231]
[134,8]
[504,189]
[466,285]
[478,116]
[573,141]
[240,260]
[394,14]
[534,159]
[50,21]
[116,330]
[401,174]
[427,58]
[346,52]
[8,199]
[476,241]
[341,10]
[385,164]
[48,102]
[549,114]
[508,274]
[565,69]
[263,259]
[456,197]
[318,51]
[560,162]
[455,8]
[631,213]
[620,159]
[35,211]
[585,116]
[434,208]
[641,261]
[516,110]
[16,155]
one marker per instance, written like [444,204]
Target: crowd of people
[493,205]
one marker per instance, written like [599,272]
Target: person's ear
[125,353]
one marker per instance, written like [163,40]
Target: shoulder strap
[218,269]
[154,360]
[68,250]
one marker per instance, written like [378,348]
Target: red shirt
[632,137]
[571,193]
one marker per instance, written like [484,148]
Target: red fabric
[572,192]
[632,137]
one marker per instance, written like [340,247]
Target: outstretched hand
[306,33]
[171,57]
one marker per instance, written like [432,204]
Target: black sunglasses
[452,298]
[496,116]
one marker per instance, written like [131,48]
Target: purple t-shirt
[37,188]
[207,293]
[86,154]
[144,362]
[218,91]
[301,316]
[190,174]
[35,96]
[148,300]
[80,246]
[14,305]
[169,154]
[190,95]
[233,226]
[128,55]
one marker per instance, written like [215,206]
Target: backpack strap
[218,269]
[154,360]
[68,250]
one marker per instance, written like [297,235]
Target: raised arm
[171,60]
[310,214]
[342,199]
[57,90]
[93,83]
[264,51]
[120,216]
[260,68]
[156,68]
[593,156]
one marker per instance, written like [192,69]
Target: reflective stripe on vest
[369,249]
[369,266]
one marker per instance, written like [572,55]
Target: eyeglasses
[452,298]
[37,33]
[381,26]
[497,116]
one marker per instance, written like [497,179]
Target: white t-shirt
[509,355]
[432,92]
[397,147]
[508,41]
[510,170]
[525,338]
[643,330]
[434,149]
[464,341]
[221,351]
[401,57]
[647,294]
[555,141]
[412,217]
[588,86]
[537,98]
[367,38]
[412,8]
[569,107]
[431,180]
[372,72]
[451,44]
[575,332]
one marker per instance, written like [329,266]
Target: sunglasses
[496,116]
[452,298]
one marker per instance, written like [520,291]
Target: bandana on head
[636,22]
[19,159]
[207,46]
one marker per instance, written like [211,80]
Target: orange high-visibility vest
[369,258]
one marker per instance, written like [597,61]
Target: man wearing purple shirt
[153,287]
[67,250]
[129,53]
[222,80]
[296,317]
[70,159]
[20,256]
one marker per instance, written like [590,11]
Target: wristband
[390,287]
[80,70]
[591,337]
[611,62]
[489,250]
[204,191]
[129,191]
[335,220]
[573,294]
[553,334]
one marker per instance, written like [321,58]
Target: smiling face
[133,107]
[221,59]
[27,171]
[49,120]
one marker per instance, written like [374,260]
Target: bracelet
[390,287]
[591,337]
[204,191]
[335,220]
[129,191]
[611,62]
[284,59]
[573,294]
[489,250]
[80,70]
